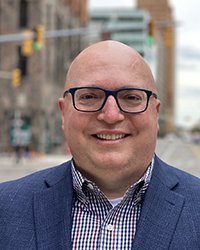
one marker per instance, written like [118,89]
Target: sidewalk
[196,150]
[10,170]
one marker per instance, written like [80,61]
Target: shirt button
[90,186]
[109,227]
[139,199]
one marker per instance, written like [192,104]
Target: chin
[111,160]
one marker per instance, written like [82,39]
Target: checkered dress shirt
[96,224]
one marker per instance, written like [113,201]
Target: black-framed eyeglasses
[93,99]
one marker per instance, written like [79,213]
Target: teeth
[110,137]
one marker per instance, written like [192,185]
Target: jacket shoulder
[17,205]
[180,181]
[34,182]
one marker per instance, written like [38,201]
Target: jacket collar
[160,210]
[52,210]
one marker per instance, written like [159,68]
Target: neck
[113,186]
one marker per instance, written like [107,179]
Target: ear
[158,106]
[61,107]
[158,111]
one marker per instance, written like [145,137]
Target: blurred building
[127,25]
[149,28]
[42,70]
[164,33]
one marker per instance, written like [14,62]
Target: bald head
[107,56]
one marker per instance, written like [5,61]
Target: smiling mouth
[110,137]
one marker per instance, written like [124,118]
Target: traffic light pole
[61,33]
[47,34]
[14,76]
[5,75]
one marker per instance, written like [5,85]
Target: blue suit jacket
[35,211]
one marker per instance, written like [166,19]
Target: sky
[187,76]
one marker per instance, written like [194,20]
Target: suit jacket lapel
[160,212]
[52,211]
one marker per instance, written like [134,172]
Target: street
[174,151]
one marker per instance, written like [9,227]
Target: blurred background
[40,38]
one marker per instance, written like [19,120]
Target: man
[115,193]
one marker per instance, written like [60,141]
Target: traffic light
[38,37]
[16,78]
[27,46]
[168,37]
[151,32]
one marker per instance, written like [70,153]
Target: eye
[132,97]
[88,96]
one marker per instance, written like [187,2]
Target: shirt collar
[81,184]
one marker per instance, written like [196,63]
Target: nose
[110,113]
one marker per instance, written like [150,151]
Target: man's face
[110,142]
